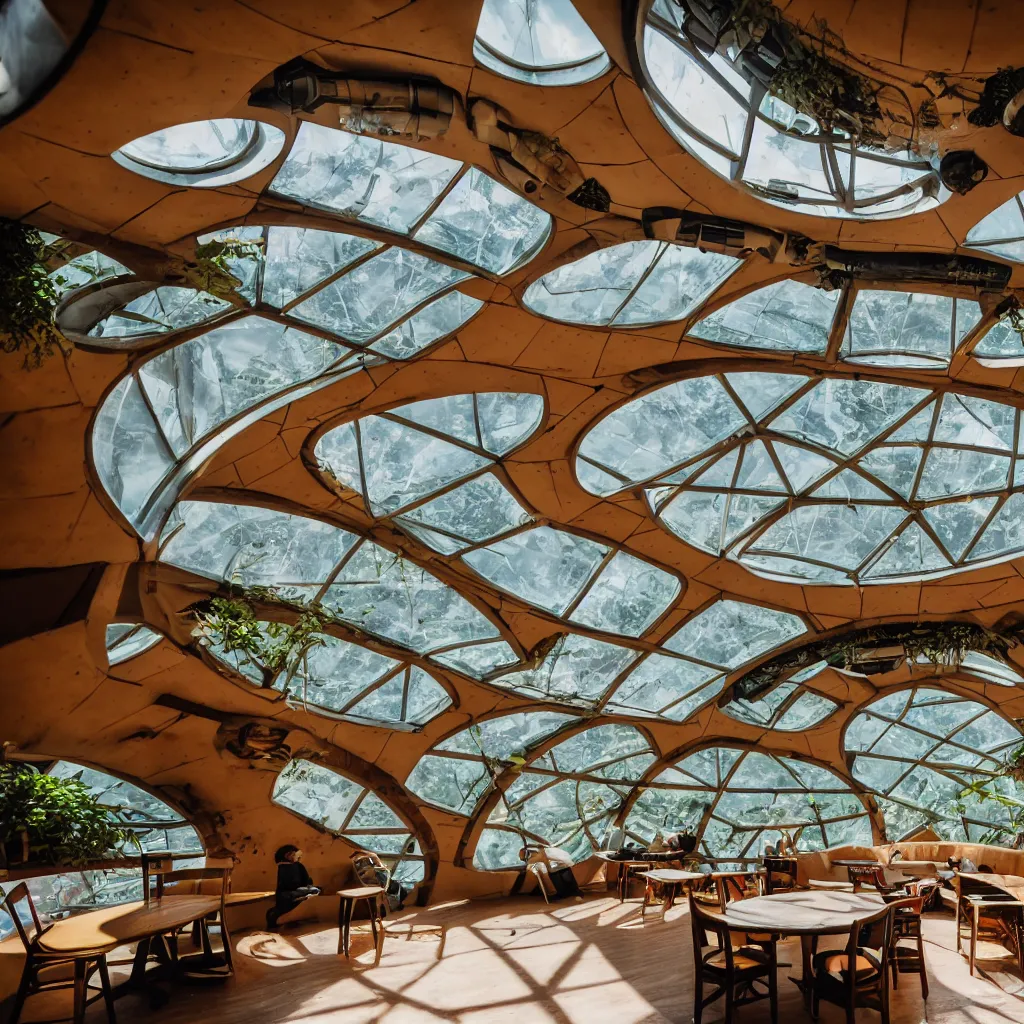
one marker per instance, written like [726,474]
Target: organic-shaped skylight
[361,818]
[738,801]
[458,772]
[157,826]
[567,798]
[921,749]
[379,299]
[992,670]
[173,410]
[337,678]
[743,134]
[540,42]
[635,284]
[789,707]
[440,202]
[577,578]
[127,639]
[828,480]
[1001,233]
[439,449]
[85,269]
[352,580]
[203,154]
[673,683]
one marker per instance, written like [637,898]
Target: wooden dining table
[107,928]
[807,913]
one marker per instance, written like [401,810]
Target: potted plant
[47,820]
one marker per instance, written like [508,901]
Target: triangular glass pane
[697,518]
[758,472]
[1005,533]
[720,473]
[477,510]
[1000,341]
[507,418]
[895,467]
[850,485]
[762,392]
[917,428]
[801,466]
[958,522]
[682,475]
[745,510]
[300,258]
[914,552]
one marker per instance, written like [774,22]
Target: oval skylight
[128,639]
[777,154]
[736,801]
[445,204]
[352,580]
[540,42]
[828,480]
[920,749]
[341,679]
[203,154]
[346,808]
[567,798]
[634,284]
[1001,232]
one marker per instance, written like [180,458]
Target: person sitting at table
[293,883]
[559,867]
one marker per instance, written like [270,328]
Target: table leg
[974,936]
[806,981]
[341,925]
[81,990]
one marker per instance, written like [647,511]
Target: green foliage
[27,295]
[231,624]
[211,269]
[65,823]
[1014,317]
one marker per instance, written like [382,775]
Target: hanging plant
[50,820]
[231,624]
[27,295]
[211,269]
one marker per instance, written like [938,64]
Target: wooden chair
[904,957]
[859,974]
[779,874]
[37,960]
[987,913]
[190,881]
[871,878]
[736,971]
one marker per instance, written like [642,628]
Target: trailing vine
[211,271]
[27,295]
[941,643]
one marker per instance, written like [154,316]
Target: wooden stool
[347,902]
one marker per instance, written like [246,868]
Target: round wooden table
[804,913]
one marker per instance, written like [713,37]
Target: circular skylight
[743,134]
[812,479]
[203,153]
[540,42]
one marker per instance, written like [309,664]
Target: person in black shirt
[293,883]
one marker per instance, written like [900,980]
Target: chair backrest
[366,866]
[779,873]
[196,876]
[703,921]
[907,905]
[874,932]
[20,894]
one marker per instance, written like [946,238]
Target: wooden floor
[515,960]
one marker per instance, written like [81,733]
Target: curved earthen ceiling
[467,419]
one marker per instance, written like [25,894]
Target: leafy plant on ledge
[55,821]
[27,295]
[211,270]
[231,624]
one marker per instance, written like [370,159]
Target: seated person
[293,883]
[370,870]
[559,865]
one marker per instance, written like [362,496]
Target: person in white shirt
[559,868]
